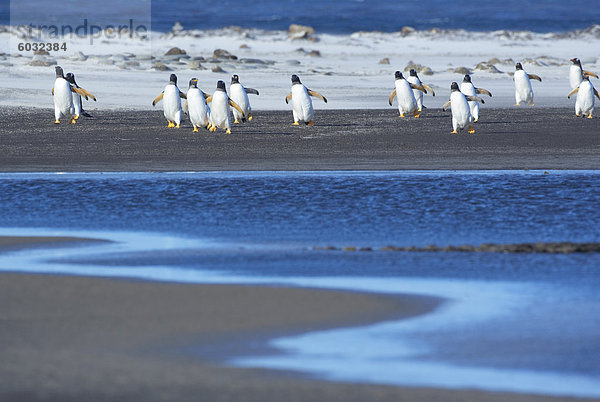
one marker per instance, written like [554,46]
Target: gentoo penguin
[239,94]
[219,111]
[467,88]
[77,102]
[405,96]
[171,98]
[195,106]
[523,89]
[413,78]
[302,107]
[584,105]
[461,113]
[576,73]
[63,99]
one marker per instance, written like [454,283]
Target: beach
[505,138]
[80,338]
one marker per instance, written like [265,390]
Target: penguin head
[173,79]
[194,83]
[467,78]
[519,66]
[235,79]
[398,75]
[220,85]
[413,72]
[71,78]
[295,79]
[59,72]
[576,61]
[454,86]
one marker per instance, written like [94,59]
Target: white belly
[63,99]
[197,107]
[574,76]
[302,104]
[523,89]
[219,111]
[239,96]
[172,104]
[405,97]
[460,109]
[585,98]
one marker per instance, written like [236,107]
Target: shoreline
[371,139]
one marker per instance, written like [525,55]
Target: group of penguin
[464,102]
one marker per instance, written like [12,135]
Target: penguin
[413,78]
[77,102]
[171,98]
[584,105]
[63,98]
[302,107]
[467,88]
[219,111]
[461,113]
[576,73]
[195,106]
[523,89]
[239,94]
[405,96]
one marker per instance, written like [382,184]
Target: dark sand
[90,339]
[511,138]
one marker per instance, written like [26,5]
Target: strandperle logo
[87,30]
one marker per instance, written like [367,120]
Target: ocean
[511,322]
[333,16]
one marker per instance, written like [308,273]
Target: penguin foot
[471,130]
[416,113]
[454,132]
[228,131]
[475,120]
[401,115]
[589,116]
[578,115]
[295,123]
[170,124]
[76,117]
[177,126]
[56,121]
[517,104]
[531,103]
[311,123]
[236,121]
[420,110]
[212,129]
[249,116]
[72,121]
[195,130]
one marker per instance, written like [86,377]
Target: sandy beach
[79,338]
[505,138]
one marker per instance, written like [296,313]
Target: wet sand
[77,338]
[510,138]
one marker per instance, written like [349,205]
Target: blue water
[333,16]
[511,322]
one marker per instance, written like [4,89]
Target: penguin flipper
[236,106]
[251,91]
[596,93]
[87,93]
[318,95]
[573,92]
[158,98]
[428,88]
[79,91]
[474,98]
[590,73]
[209,99]
[182,95]
[534,77]
[52,91]
[288,97]
[483,91]
[419,87]
[446,105]
[392,96]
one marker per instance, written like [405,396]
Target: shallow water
[512,322]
